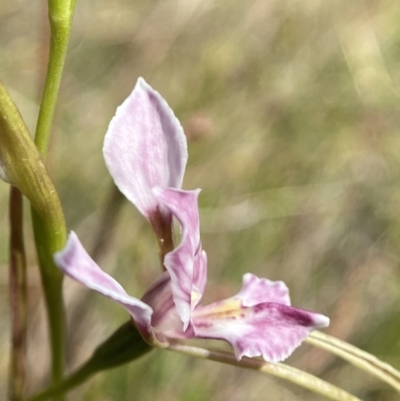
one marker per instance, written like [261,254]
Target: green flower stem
[60,17]
[123,346]
[50,238]
[18,298]
[280,370]
[357,357]
[23,167]
[77,378]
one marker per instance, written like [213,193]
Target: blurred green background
[291,109]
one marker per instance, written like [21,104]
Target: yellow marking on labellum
[195,295]
[226,309]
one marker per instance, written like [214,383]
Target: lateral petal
[199,277]
[270,330]
[75,262]
[145,147]
[257,290]
[186,261]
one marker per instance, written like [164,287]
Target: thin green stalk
[48,241]
[280,370]
[357,357]
[77,378]
[18,298]
[23,167]
[60,17]
[47,238]
[123,346]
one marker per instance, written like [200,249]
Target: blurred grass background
[291,110]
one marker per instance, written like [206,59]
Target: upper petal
[145,147]
[271,330]
[186,264]
[74,261]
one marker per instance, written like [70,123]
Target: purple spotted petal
[256,290]
[145,147]
[75,262]
[183,260]
[270,330]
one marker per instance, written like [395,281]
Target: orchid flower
[146,153]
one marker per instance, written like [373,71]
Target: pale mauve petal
[165,321]
[159,298]
[259,290]
[270,330]
[145,147]
[75,262]
[199,278]
[182,261]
